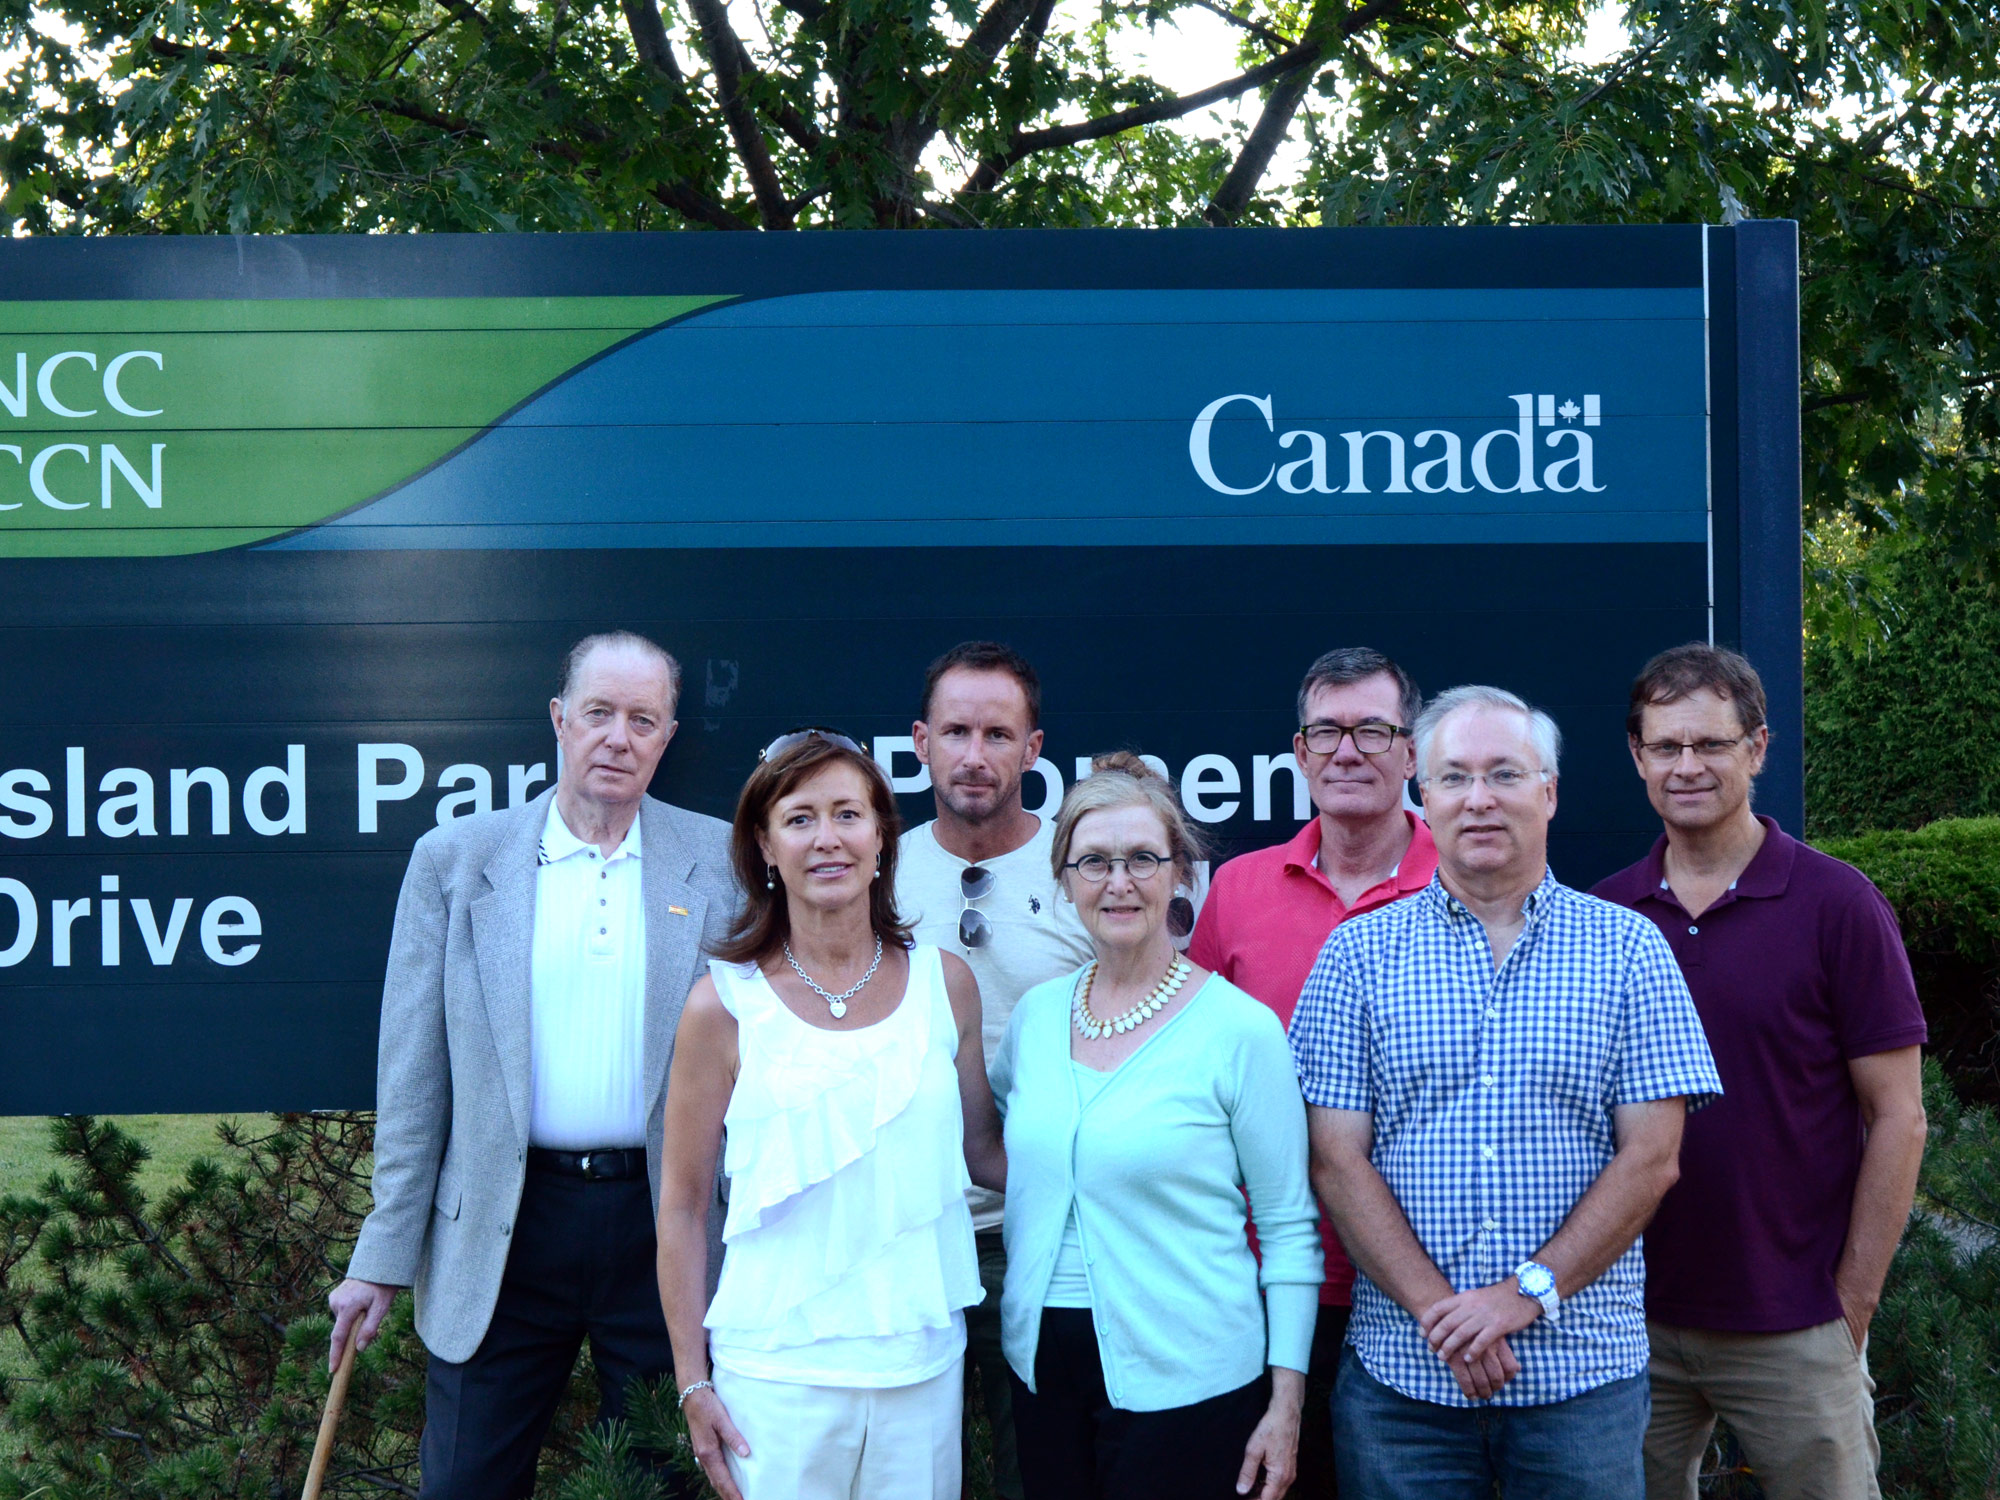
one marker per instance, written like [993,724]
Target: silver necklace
[835,1003]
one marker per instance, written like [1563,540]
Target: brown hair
[1673,674]
[765,921]
[985,656]
[1122,779]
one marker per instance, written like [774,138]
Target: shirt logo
[1035,905]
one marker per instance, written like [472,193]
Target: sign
[294,532]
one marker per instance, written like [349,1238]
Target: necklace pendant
[839,1009]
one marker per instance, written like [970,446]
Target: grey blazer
[451,1097]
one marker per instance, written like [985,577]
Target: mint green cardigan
[1157,1164]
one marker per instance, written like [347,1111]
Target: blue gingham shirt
[1491,1092]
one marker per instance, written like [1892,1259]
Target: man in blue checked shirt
[1497,1070]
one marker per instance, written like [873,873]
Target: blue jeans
[1393,1447]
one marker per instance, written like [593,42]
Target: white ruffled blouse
[850,1257]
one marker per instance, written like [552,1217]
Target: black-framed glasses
[795,737]
[975,928]
[1666,752]
[1370,738]
[1140,864]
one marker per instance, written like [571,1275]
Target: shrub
[1901,708]
[1944,882]
[176,1350]
[1935,1342]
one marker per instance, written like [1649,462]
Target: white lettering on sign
[67,385]
[1504,461]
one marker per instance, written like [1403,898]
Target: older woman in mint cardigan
[1152,1356]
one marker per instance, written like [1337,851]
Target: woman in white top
[843,1067]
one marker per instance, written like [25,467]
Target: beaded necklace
[1091,1028]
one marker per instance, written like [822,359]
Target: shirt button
[1487,1080]
[1490,1224]
[1487,1152]
[602,931]
[506,1230]
[602,902]
[1693,930]
[1492,1012]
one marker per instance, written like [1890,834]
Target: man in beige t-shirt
[977,883]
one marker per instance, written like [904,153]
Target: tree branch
[680,195]
[649,37]
[1618,74]
[1274,40]
[1028,143]
[782,114]
[725,54]
[1233,196]
[1845,398]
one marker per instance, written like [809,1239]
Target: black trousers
[1316,1479]
[581,1266]
[1075,1445]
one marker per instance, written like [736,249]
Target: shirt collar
[1768,873]
[1419,861]
[1444,904]
[559,844]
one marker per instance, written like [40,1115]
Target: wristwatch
[1538,1281]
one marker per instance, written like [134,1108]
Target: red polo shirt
[1267,915]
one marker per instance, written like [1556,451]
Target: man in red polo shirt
[1269,913]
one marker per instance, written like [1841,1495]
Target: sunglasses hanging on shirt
[975,928]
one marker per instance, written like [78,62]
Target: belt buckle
[583,1165]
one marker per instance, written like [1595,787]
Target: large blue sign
[293,533]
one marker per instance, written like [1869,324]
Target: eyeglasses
[796,737]
[1141,864]
[975,928]
[1371,738]
[1501,779]
[1666,752]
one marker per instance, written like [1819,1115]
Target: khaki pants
[1801,1404]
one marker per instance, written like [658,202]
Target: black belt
[612,1164]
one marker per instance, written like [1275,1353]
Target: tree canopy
[1871,122]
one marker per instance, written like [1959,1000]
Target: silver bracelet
[699,1385]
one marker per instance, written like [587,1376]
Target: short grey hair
[1542,731]
[1345,664]
[614,639]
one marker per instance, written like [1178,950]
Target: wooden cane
[329,1422]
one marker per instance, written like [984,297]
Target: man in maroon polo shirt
[1268,914]
[1765,1262]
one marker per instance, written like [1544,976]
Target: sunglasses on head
[796,737]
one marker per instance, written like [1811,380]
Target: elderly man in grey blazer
[540,960]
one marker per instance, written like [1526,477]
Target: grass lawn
[174,1140]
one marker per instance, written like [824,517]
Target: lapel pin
[679,911]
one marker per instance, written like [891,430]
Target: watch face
[1537,1282]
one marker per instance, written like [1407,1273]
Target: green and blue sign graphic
[293,532]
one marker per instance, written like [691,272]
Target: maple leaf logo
[1569,410]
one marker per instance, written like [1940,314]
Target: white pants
[816,1442]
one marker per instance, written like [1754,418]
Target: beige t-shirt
[1037,935]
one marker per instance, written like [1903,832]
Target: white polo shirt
[587,994]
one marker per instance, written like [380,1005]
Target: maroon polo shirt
[1798,969]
